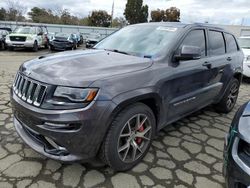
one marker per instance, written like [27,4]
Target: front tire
[229,99]
[129,137]
[35,47]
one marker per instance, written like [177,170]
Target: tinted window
[196,38]
[216,43]
[231,43]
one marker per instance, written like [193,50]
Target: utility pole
[112,13]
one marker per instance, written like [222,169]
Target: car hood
[246,51]
[81,68]
[20,34]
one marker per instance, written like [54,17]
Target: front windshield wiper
[127,53]
[118,51]
[245,47]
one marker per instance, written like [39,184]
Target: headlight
[70,98]
[7,37]
[29,38]
[76,95]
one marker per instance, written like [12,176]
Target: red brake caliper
[139,140]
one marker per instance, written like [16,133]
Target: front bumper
[65,135]
[236,167]
[61,45]
[17,44]
[237,171]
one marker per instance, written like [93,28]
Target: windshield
[26,30]
[64,35]
[244,42]
[141,40]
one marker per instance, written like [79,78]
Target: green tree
[99,18]
[2,14]
[157,15]
[172,14]
[39,15]
[84,21]
[135,12]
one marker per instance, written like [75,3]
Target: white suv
[244,43]
[27,37]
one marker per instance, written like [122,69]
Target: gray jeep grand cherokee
[110,101]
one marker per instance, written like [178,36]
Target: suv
[28,37]
[111,101]
[244,43]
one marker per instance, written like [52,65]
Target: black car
[111,101]
[237,150]
[63,41]
[3,34]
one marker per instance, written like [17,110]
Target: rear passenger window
[216,43]
[231,43]
[196,38]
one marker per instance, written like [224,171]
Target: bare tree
[15,10]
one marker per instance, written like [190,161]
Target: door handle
[229,59]
[207,64]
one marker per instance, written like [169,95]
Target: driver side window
[196,38]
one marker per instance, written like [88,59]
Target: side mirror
[39,34]
[188,53]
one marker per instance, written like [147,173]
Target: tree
[84,21]
[39,15]
[173,14]
[99,18]
[65,17]
[15,11]
[157,15]
[119,22]
[2,14]
[135,12]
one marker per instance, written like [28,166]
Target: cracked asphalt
[185,154]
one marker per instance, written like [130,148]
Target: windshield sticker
[171,29]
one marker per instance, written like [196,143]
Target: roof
[183,25]
[246,37]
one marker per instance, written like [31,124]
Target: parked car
[3,34]
[92,40]
[244,43]
[79,38]
[50,36]
[63,41]
[28,37]
[237,150]
[111,101]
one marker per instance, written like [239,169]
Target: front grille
[28,90]
[18,38]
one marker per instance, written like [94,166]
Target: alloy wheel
[232,97]
[134,138]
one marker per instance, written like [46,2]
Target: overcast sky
[213,11]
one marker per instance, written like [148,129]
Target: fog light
[247,149]
[57,125]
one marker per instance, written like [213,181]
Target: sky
[229,12]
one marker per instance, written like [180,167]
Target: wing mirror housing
[188,53]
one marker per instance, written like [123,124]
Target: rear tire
[129,137]
[229,99]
